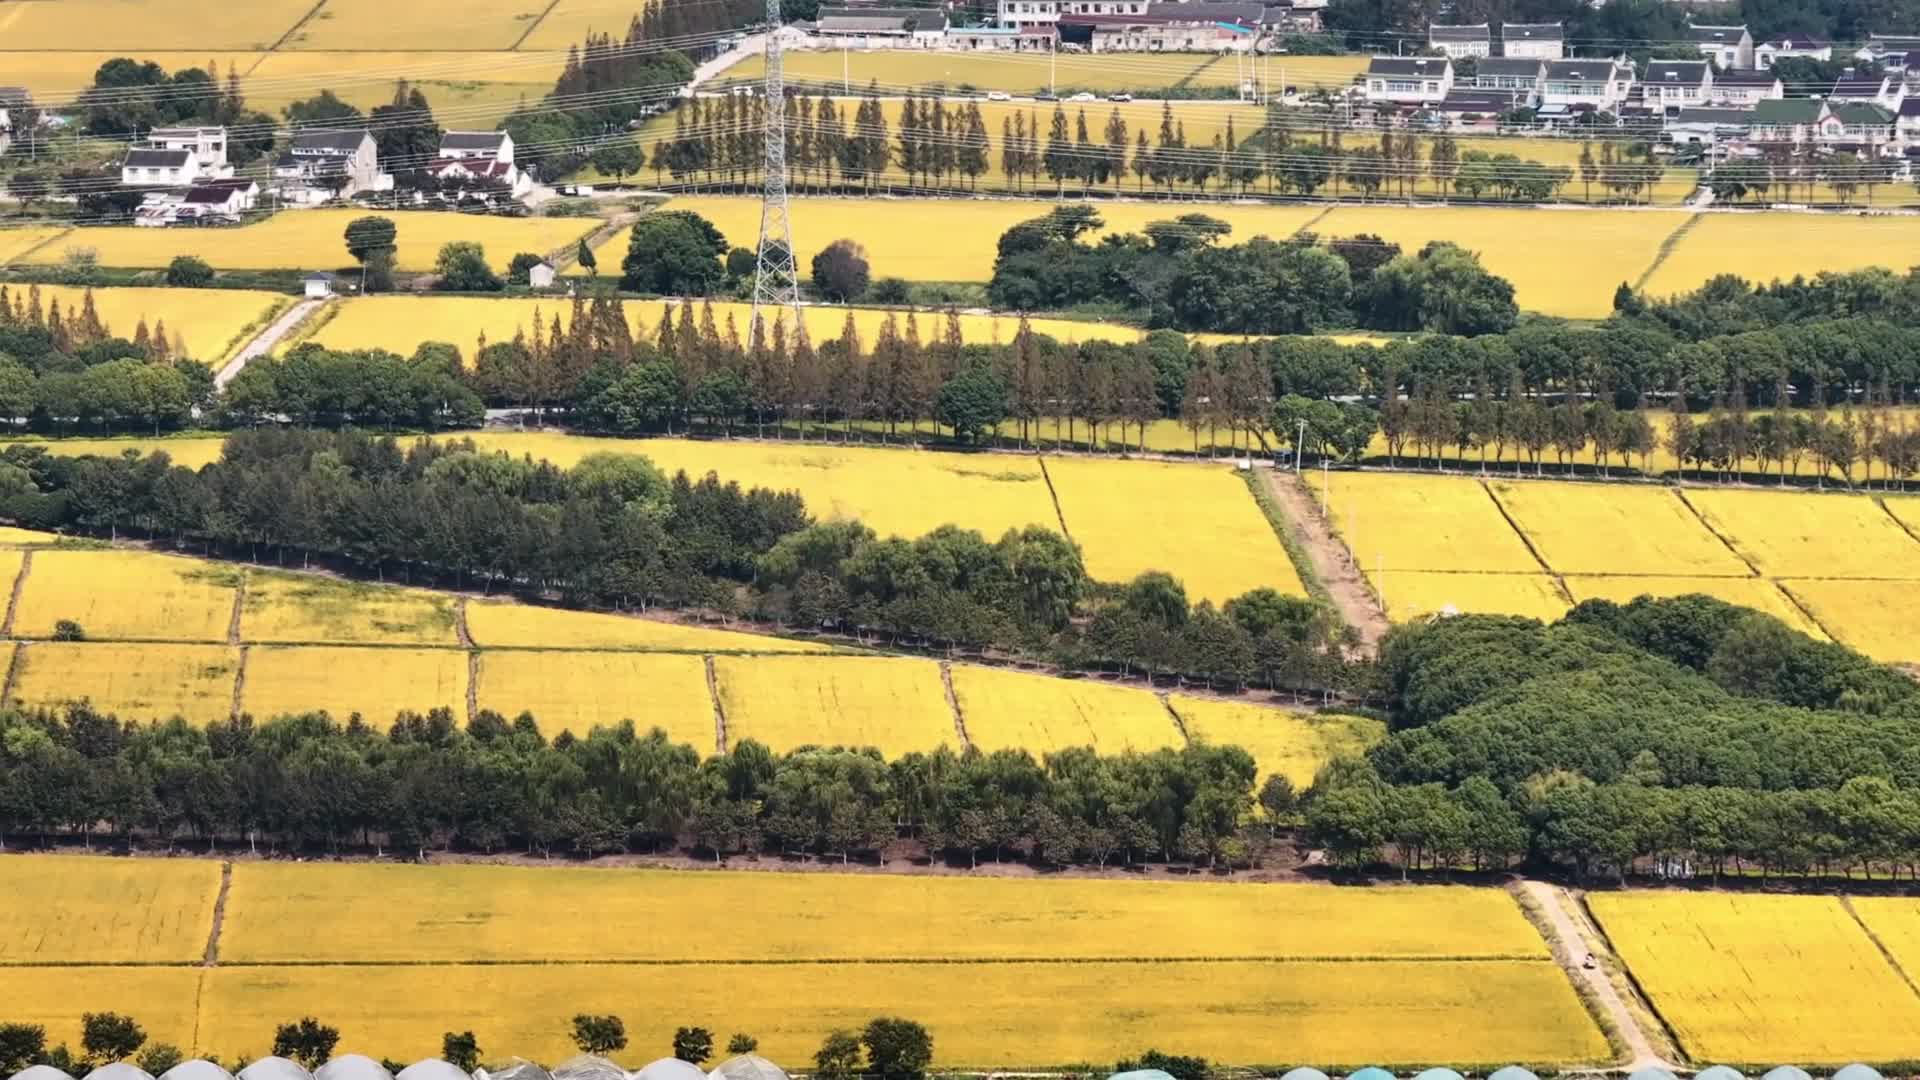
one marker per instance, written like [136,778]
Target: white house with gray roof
[1460,42]
[1727,46]
[1586,84]
[321,165]
[1533,41]
[1409,80]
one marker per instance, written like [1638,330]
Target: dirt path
[1332,562]
[263,344]
[1571,948]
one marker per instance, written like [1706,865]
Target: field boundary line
[1892,961]
[1320,556]
[953,704]
[1559,584]
[532,26]
[1881,501]
[19,588]
[1801,606]
[239,605]
[212,956]
[295,28]
[1179,722]
[1666,248]
[1054,493]
[1680,493]
[461,632]
[719,710]
[1667,1031]
[13,672]
[61,235]
[473,684]
[1307,225]
[240,681]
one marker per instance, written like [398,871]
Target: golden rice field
[144,682]
[1763,247]
[983,1014]
[466,89]
[400,323]
[568,22]
[81,910]
[1878,618]
[1398,522]
[382,681]
[1789,534]
[1414,594]
[56,76]
[418,24]
[13,537]
[505,624]
[307,608]
[1197,522]
[1006,710]
[897,705]
[211,323]
[282,913]
[16,241]
[894,230]
[896,69]
[1760,594]
[1894,923]
[578,691]
[1295,745]
[1615,529]
[123,25]
[165,1001]
[126,595]
[1763,978]
[191,451]
[314,239]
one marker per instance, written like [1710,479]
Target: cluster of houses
[1729,101]
[187,178]
[1073,25]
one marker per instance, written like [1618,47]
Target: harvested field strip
[1763,978]
[1008,1014]
[79,910]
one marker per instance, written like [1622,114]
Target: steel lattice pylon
[776,281]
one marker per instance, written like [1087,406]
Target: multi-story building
[1460,42]
[1533,41]
[1512,75]
[319,165]
[1794,121]
[1676,84]
[1727,46]
[1786,46]
[177,157]
[1586,84]
[1746,87]
[1409,80]
[1880,89]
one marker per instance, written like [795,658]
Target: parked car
[1045,97]
[1120,97]
[999,95]
[1083,96]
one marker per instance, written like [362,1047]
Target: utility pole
[776,281]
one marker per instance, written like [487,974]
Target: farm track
[1665,249]
[1570,948]
[219,915]
[953,703]
[719,708]
[19,587]
[240,683]
[1332,563]
[264,342]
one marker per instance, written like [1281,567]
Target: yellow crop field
[1613,247]
[302,608]
[568,22]
[467,89]
[165,1000]
[1787,534]
[64,909]
[1879,618]
[1762,247]
[418,24]
[1283,742]
[191,451]
[16,240]
[894,230]
[504,624]
[25,538]
[126,596]
[211,322]
[376,683]
[1413,594]
[1759,594]
[897,705]
[1615,529]
[56,76]
[1030,73]
[578,691]
[308,239]
[1894,923]
[980,1014]
[1400,522]
[133,682]
[1196,522]
[1763,978]
[138,25]
[400,323]
[281,913]
[1006,710]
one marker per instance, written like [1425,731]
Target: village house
[1533,41]
[1460,42]
[1002,39]
[15,102]
[480,158]
[1863,127]
[1787,46]
[1709,128]
[1787,120]
[1672,85]
[1726,46]
[320,165]
[1194,26]
[1883,89]
[1574,85]
[1023,13]
[1477,110]
[207,202]
[1409,80]
[884,28]
[177,157]
[1511,75]
[1907,123]
[1746,87]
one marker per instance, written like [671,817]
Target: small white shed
[540,275]
[319,286]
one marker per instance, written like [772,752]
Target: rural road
[267,339]
[1570,947]
[1331,560]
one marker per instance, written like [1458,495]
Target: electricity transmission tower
[776,282]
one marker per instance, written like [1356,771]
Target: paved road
[1570,949]
[267,339]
